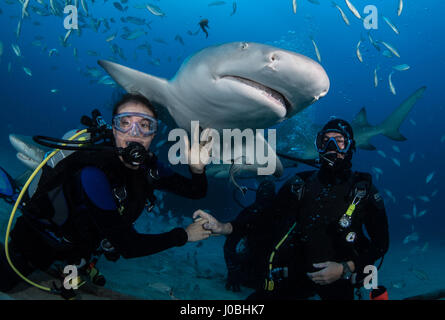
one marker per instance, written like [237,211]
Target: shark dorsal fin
[360,119]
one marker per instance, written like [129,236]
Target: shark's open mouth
[266,91]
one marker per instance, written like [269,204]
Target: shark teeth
[266,91]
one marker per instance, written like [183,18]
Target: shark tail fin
[153,88]
[361,121]
[390,127]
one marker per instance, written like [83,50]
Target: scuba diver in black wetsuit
[320,246]
[244,249]
[86,205]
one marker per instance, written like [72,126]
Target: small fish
[414,210]
[404,259]
[407,216]
[314,1]
[442,139]
[398,284]
[396,148]
[419,274]
[371,40]
[389,194]
[413,237]
[54,90]
[421,213]
[16,50]
[155,10]
[391,85]
[424,198]
[317,52]
[92,53]
[429,177]
[19,28]
[411,157]
[376,79]
[1,48]
[377,170]
[75,52]
[179,38]
[84,6]
[294,6]
[434,193]
[409,198]
[119,7]
[381,153]
[353,9]
[343,15]
[401,67]
[396,161]
[67,35]
[25,5]
[391,48]
[112,37]
[400,8]
[233,8]
[359,55]
[425,247]
[387,54]
[391,25]
[52,52]
[107,80]
[160,144]
[413,122]
[133,35]
[27,71]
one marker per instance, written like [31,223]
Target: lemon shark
[236,85]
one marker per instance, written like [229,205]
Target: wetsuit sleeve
[128,242]
[94,202]
[376,224]
[168,180]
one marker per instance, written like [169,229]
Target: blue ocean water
[29,107]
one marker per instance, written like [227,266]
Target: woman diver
[86,205]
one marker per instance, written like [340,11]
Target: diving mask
[135,124]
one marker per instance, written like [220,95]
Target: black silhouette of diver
[203,24]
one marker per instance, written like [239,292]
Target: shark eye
[244,45]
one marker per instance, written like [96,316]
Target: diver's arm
[91,197]
[193,188]
[376,223]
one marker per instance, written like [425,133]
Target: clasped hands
[205,225]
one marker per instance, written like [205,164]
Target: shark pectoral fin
[394,135]
[392,124]
[153,88]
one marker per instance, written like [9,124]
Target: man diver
[86,205]
[320,246]
[244,249]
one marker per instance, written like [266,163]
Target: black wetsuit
[244,247]
[37,245]
[318,237]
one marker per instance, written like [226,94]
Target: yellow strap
[350,210]
[11,218]
[269,282]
